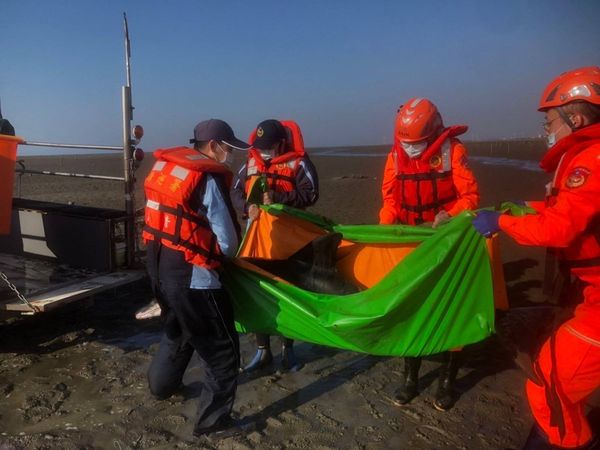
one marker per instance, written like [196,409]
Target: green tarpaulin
[437,298]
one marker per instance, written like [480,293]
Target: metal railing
[128,149]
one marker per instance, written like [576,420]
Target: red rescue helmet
[417,119]
[579,84]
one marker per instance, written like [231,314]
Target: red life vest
[279,173]
[424,185]
[168,215]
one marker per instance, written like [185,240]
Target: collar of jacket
[434,147]
[570,146]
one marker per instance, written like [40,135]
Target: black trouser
[198,320]
[264,340]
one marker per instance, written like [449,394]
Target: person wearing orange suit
[568,223]
[426,176]
[278,161]
[427,180]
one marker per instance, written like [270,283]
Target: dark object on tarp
[313,267]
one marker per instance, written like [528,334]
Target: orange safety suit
[415,190]
[169,214]
[569,223]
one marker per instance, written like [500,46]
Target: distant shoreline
[519,148]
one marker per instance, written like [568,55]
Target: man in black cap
[190,228]
[278,161]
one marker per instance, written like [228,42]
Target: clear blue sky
[340,68]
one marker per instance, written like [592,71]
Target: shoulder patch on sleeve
[577,177]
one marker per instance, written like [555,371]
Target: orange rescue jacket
[169,217]
[415,190]
[569,222]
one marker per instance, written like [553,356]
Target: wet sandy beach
[75,378]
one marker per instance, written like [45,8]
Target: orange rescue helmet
[578,84]
[417,119]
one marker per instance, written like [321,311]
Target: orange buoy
[8,156]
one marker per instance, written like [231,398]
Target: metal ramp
[47,285]
[42,242]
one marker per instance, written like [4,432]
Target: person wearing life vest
[426,180]
[190,228]
[567,222]
[277,170]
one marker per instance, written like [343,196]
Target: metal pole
[128,153]
[128,176]
[67,174]
[51,144]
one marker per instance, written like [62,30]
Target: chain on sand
[20,296]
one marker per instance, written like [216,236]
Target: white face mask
[267,154]
[414,150]
[551,138]
[228,159]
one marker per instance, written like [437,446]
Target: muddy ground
[75,378]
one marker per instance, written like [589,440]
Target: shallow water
[522,164]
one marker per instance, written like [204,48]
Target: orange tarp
[365,265]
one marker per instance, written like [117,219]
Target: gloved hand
[486,222]
[515,208]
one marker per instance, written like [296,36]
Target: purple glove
[486,222]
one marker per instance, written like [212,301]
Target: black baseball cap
[268,133]
[217,130]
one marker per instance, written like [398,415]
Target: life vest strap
[428,206]
[582,263]
[181,214]
[423,176]
[277,176]
[174,239]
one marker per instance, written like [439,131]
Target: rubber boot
[261,359]
[410,387]
[445,396]
[289,362]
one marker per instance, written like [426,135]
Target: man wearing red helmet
[568,223]
[426,180]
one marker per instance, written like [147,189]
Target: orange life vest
[278,173]
[168,215]
[424,185]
